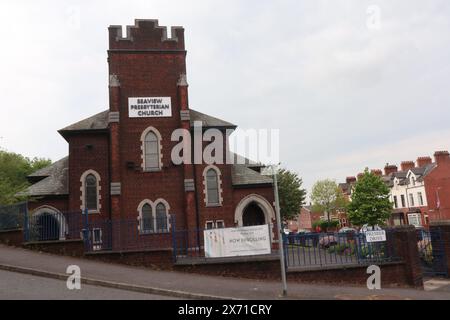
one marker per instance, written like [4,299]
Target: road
[15,286]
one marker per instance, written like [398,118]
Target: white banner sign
[149,107]
[233,242]
[376,236]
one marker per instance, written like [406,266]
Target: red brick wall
[438,182]
[144,74]
[60,203]
[82,159]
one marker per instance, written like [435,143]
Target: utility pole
[280,233]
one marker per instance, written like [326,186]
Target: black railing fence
[98,233]
[328,249]
[12,216]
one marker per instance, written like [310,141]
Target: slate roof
[209,121]
[242,175]
[56,180]
[96,122]
[100,122]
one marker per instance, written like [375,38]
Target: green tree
[14,169]
[291,193]
[370,201]
[327,197]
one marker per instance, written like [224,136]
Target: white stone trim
[158,135]
[266,207]
[83,188]
[166,204]
[205,187]
[63,226]
[153,205]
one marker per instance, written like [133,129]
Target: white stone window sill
[152,170]
[92,212]
[147,233]
[212,205]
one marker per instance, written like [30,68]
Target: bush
[346,249]
[325,225]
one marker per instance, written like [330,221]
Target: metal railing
[99,233]
[53,226]
[188,244]
[431,247]
[12,216]
[336,249]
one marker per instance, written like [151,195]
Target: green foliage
[325,225]
[14,168]
[346,249]
[291,193]
[370,201]
[327,197]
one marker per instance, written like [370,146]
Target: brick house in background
[305,219]
[119,165]
[419,191]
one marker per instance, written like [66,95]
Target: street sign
[376,236]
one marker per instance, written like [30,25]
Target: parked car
[347,229]
[366,228]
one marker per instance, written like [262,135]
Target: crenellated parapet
[146,35]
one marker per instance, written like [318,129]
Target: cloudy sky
[350,83]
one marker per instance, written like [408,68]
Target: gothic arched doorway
[253,215]
[48,226]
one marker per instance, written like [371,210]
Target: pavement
[196,286]
[19,286]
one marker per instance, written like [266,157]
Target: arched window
[91,192]
[161,218]
[212,187]
[151,152]
[146,218]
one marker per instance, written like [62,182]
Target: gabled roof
[96,122]
[100,122]
[242,175]
[238,159]
[56,180]
[209,121]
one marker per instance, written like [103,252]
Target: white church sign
[150,107]
[233,242]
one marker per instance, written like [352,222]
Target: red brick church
[120,167]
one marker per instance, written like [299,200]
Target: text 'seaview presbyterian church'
[120,166]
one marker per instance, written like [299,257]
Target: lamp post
[280,231]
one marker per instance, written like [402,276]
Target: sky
[349,83]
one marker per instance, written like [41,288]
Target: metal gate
[432,255]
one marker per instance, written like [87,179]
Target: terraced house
[120,175]
[419,191]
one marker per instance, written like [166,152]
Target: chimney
[390,168]
[377,172]
[441,157]
[350,180]
[407,165]
[423,161]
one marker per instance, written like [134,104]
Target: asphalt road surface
[15,286]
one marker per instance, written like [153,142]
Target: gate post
[86,230]
[405,242]
[443,227]
[26,225]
